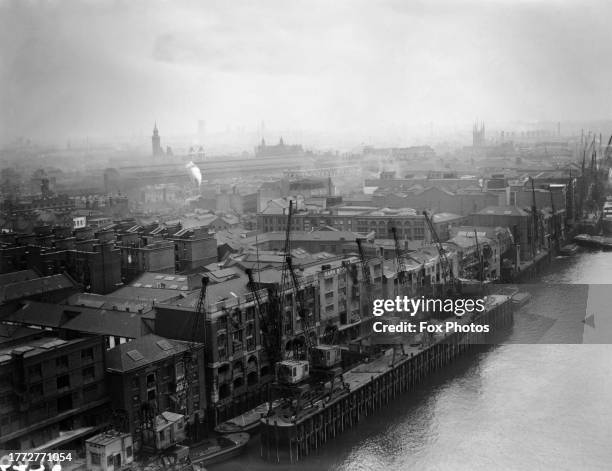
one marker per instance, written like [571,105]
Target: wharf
[529,269]
[372,385]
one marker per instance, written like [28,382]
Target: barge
[369,386]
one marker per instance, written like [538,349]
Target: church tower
[155,141]
[478,135]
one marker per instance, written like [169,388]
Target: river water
[542,399]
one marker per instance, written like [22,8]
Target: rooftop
[30,347]
[33,286]
[503,211]
[142,351]
[80,319]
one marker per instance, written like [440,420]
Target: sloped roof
[17,276]
[34,286]
[142,351]
[80,319]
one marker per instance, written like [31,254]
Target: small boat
[520,298]
[215,450]
[569,249]
[588,240]
[471,286]
[247,422]
[606,243]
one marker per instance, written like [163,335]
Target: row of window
[61,362]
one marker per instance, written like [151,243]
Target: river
[540,400]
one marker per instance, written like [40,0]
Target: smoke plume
[195,172]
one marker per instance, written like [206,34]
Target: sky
[108,68]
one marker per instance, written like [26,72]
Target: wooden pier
[371,386]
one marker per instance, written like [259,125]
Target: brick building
[52,389]
[193,248]
[152,375]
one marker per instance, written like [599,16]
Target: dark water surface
[541,400]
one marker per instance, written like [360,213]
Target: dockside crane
[447,269]
[534,212]
[268,325]
[400,256]
[301,311]
[555,229]
[191,366]
[365,271]
[293,379]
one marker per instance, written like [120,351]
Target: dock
[371,386]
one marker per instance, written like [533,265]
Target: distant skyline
[339,68]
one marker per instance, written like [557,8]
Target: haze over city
[342,71]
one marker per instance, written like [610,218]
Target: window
[63,381]
[128,452]
[35,370]
[36,390]
[95,458]
[61,362]
[109,460]
[180,370]
[90,392]
[89,373]
[87,354]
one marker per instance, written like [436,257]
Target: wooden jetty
[371,385]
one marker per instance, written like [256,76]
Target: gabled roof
[142,351]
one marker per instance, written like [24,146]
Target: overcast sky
[105,68]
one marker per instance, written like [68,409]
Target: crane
[301,311]
[191,367]
[479,255]
[555,234]
[270,335]
[365,271]
[534,212]
[399,260]
[293,379]
[447,270]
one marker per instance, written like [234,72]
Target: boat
[215,450]
[606,243]
[520,298]
[247,422]
[569,249]
[589,240]
[471,286]
[606,217]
